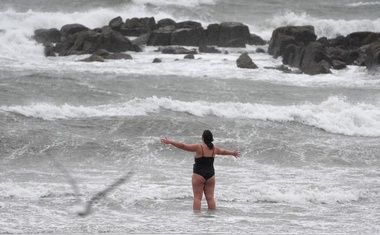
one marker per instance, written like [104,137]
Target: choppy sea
[68,130]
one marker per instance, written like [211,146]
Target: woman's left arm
[180,145]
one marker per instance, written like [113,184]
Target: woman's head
[208,139]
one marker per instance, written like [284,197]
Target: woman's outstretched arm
[234,153]
[180,145]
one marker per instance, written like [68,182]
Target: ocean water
[68,130]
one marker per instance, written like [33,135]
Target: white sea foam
[302,194]
[359,4]
[10,189]
[335,115]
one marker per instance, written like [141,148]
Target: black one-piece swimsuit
[204,166]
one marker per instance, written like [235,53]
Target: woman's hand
[165,141]
[236,153]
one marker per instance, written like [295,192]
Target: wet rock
[138,26]
[189,56]
[372,61]
[284,36]
[49,49]
[315,59]
[71,29]
[245,62]
[208,49]
[93,58]
[52,35]
[188,37]
[142,40]
[88,42]
[176,50]
[157,60]
[227,34]
[256,40]
[260,50]
[161,36]
[282,68]
[166,22]
[116,23]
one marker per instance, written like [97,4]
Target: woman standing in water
[203,179]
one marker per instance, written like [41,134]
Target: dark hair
[207,138]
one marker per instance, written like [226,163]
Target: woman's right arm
[234,153]
[180,145]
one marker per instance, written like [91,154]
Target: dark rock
[315,60]
[189,56]
[323,40]
[165,22]
[373,56]
[360,61]
[118,56]
[71,29]
[157,60]
[282,42]
[93,58]
[116,42]
[256,40]
[227,34]
[88,42]
[161,36]
[244,61]
[141,40]
[116,23]
[260,50]
[208,49]
[350,56]
[47,35]
[138,26]
[282,68]
[102,52]
[188,37]
[359,39]
[61,48]
[188,25]
[49,49]
[284,36]
[340,41]
[338,65]
[292,55]
[212,34]
[176,50]
[237,42]
[112,56]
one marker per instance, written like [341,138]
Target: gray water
[68,130]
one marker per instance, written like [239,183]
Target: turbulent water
[68,130]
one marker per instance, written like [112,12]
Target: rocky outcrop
[373,56]
[137,26]
[209,49]
[78,39]
[245,62]
[227,34]
[291,35]
[47,35]
[298,47]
